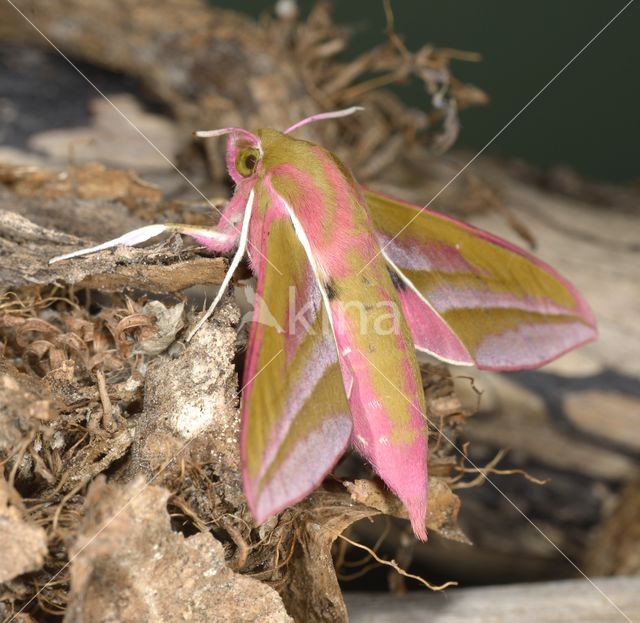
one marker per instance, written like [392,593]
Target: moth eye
[247,161]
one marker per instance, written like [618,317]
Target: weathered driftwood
[92,203]
[574,601]
[24,544]
[614,547]
[215,68]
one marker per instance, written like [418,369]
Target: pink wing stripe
[582,308]
[304,468]
[414,255]
[445,299]
[530,345]
[320,359]
[430,333]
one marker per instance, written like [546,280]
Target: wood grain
[570,601]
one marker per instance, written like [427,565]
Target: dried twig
[489,468]
[396,567]
[107,407]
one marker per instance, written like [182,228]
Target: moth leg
[237,258]
[212,239]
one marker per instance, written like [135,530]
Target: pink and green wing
[385,394]
[295,416]
[472,298]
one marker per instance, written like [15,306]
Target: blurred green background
[587,119]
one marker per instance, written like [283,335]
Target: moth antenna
[334,114]
[222,131]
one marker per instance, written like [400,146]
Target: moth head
[244,151]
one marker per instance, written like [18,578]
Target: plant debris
[24,545]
